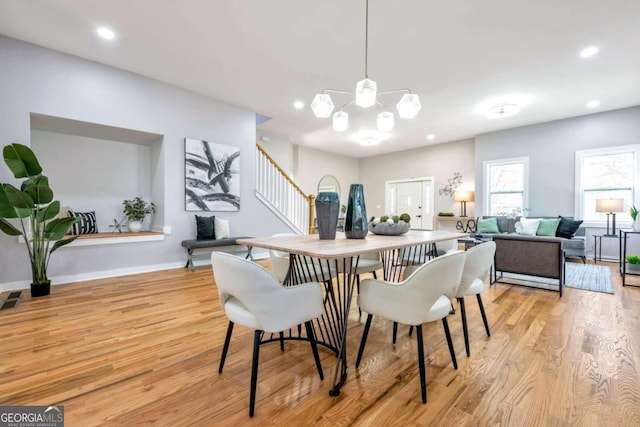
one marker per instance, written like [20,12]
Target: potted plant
[34,207]
[633,211]
[633,262]
[135,211]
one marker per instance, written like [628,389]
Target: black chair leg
[423,374]
[225,348]
[484,316]
[449,342]
[410,330]
[465,330]
[363,341]
[358,287]
[395,332]
[254,372]
[314,348]
[281,341]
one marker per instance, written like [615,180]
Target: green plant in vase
[34,208]
[135,211]
[633,262]
[633,211]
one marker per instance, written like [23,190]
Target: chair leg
[484,316]
[363,341]
[584,259]
[465,330]
[449,342]
[281,341]
[314,348]
[254,372]
[423,374]
[358,288]
[395,332]
[410,330]
[225,348]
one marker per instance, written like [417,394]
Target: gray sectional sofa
[575,246]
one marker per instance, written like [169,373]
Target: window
[605,174]
[506,186]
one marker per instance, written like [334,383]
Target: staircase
[280,194]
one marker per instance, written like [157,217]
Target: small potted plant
[135,211]
[31,207]
[390,225]
[633,211]
[633,263]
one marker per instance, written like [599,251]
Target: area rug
[588,277]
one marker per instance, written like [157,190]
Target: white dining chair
[252,297]
[419,299]
[476,270]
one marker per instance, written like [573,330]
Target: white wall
[279,148]
[43,81]
[439,161]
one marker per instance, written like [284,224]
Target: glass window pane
[508,177]
[607,171]
[505,204]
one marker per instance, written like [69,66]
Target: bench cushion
[210,243]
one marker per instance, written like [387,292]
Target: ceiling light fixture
[503,110]
[298,105]
[366,96]
[431,137]
[588,52]
[593,103]
[106,33]
[368,137]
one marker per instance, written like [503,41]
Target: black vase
[356,223]
[41,289]
[327,207]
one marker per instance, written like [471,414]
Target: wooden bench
[192,245]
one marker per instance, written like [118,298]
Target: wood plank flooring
[144,350]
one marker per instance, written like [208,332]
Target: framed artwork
[211,175]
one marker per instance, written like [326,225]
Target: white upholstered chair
[254,298]
[476,270]
[419,299]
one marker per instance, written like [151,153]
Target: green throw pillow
[548,227]
[489,225]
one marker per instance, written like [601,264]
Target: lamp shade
[463,196]
[386,121]
[609,205]
[366,91]
[409,106]
[322,105]
[340,121]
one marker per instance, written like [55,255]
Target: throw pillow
[87,223]
[548,227]
[222,229]
[488,225]
[567,227]
[205,227]
[529,226]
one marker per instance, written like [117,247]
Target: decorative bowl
[389,229]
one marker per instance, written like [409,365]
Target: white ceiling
[264,55]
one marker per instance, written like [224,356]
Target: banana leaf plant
[32,209]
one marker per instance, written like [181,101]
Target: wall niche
[94,167]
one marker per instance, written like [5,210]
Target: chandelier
[366,96]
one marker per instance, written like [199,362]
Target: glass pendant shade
[409,106]
[322,105]
[366,93]
[386,121]
[340,121]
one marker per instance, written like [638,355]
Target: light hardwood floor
[144,350]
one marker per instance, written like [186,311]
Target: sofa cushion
[488,225]
[567,227]
[548,227]
[528,226]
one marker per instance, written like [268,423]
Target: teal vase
[356,224]
[327,207]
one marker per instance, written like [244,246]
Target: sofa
[572,237]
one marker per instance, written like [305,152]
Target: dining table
[333,263]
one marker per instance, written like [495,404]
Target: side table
[597,245]
[623,236]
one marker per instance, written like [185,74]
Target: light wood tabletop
[311,245]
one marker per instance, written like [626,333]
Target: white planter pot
[135,226]
[635,226]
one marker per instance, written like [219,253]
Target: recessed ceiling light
[106,33]
[298,105]
[368,138]
[593,103]
[588,52]
[502,110]
[431,137]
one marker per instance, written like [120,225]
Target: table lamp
[610,207]
[463,197]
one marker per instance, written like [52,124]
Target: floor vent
[12,300]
